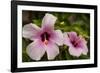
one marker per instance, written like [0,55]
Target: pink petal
[35,50]
[48,21]
[57,37]
[85,50]
[75,51]
[52,50]
[30,31]
[72,35]
[82,39]
[66,39]
[83,44]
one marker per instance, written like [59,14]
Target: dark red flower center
[74,43]
[45,37]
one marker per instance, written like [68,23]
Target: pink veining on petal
[48,22]
[72,35]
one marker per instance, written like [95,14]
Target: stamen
[45,38]
[45,41]
[76,42]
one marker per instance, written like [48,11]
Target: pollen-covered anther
[46,42]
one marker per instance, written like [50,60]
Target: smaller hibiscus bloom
[77,44]
[45,39]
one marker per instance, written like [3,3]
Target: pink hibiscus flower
[45,39]
[77,44]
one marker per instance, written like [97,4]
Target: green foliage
[78,22]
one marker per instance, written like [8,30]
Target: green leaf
[25,57]
[84,57]
[37,22]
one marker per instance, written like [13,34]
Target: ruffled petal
[52,50]
[48,22]
[66,40]
[83,44]
[72,35]
[30,31]
[57,37]
[85,50]
[35,50]
[75,51]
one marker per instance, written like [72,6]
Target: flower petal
[48,21]
[85,50]
[66,39]
[57,37]
[52,50]
[75,51]
[35,50]
[72,35]
[30,31]
[82,44]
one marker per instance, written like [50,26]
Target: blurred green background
[78,22]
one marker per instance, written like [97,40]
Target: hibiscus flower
[77,44]
[45,39]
